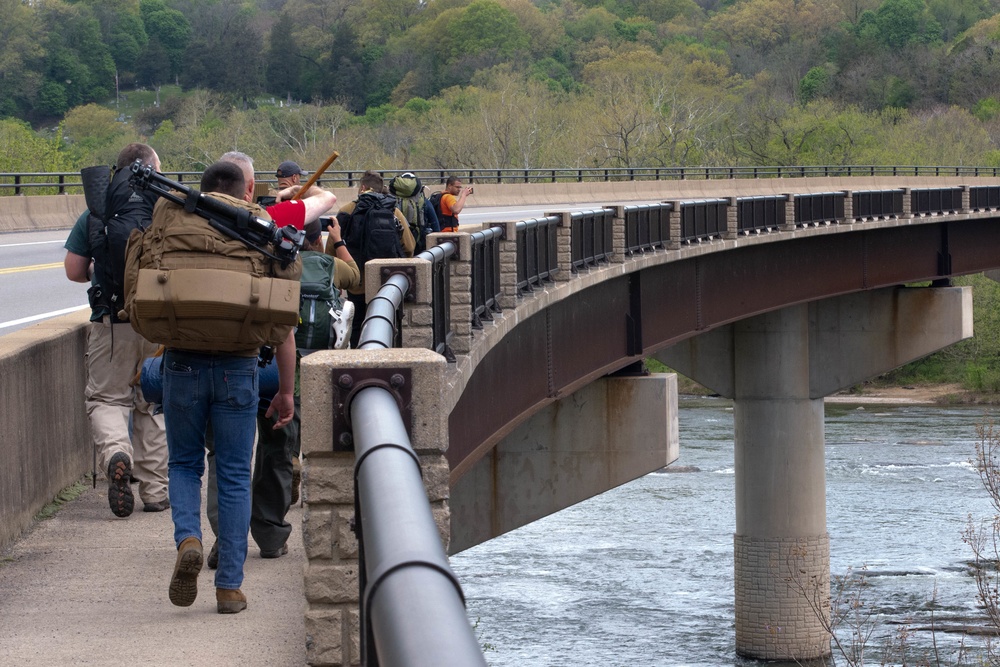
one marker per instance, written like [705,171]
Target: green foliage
[23,150]
[986,109]
[898,23]
[814,84]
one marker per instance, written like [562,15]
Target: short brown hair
[224,177]
[133,152]
[372,180]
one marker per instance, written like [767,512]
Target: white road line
[33,318]
[15,245]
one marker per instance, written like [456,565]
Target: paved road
[33,285]
[88,588]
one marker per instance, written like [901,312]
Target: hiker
[94,248]
[372,228]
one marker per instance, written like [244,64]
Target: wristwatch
[339,244]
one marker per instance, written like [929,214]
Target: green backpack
[319,303]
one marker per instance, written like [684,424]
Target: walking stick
[316,175]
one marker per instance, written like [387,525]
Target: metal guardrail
[755,215]
[69,182]
[412,606]
[703,219]
[647,227]
[536,252]
[818,207]
[984,198]
[874,204]
[485,275]
[591,231]
[924,201]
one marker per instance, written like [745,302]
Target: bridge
[516,381]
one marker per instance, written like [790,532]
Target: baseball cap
[288,168]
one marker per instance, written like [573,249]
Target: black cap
[288,168]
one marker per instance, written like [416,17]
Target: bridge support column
[778,367]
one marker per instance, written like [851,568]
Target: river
[643,574]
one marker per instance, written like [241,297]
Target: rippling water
[643,574]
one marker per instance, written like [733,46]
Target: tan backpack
[190,287]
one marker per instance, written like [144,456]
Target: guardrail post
[674,218]
[788,224]
[461,293]
[732,219]
[848,208]
[418,314]
[508,263]
[907,204]
[618,234]
[564,247]
[332,621]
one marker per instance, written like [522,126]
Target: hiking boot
[156,507]
[184,582]
[119,493]
[296,479]
[274,553]
[230,601]
[213,556]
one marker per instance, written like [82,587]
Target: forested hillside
[501,83]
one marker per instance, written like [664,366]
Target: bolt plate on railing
[410,271]
[347,382]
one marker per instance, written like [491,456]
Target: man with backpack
[416,208]
[95,253]
[372,228]
[449,203]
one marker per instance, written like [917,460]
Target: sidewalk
[88,588]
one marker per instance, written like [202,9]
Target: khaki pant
[114,356]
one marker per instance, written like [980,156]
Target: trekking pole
[312,179]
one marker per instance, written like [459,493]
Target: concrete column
[907,204]
[508,266]
[777,367]
[782,551]
[966,200]
[418,315]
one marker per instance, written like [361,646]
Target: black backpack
[372,230]
[108,230]
[447,222]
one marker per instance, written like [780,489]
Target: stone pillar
[418,315]
[966,200]
[732,219]
[789,223]
[907,204]
[332,622]
[564,247]
[618,236]
[782,551]
[675,225]
[848,207]
[508,265]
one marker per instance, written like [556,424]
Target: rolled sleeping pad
[151,380]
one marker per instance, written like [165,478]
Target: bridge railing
[470,280]
[42,183]
[591,234]
[536,252]
[647,227]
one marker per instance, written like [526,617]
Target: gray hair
[244,161]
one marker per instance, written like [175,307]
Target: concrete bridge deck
[87,588]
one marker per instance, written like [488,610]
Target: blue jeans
[199,388]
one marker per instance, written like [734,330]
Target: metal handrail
[69,182]
[403,566]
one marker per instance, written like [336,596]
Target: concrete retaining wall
[45,442]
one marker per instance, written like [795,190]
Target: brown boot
[184,582]
[230,601]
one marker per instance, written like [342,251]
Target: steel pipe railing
[412,606]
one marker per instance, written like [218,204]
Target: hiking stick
[312,179]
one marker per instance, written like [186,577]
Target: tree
[21,150]
[171,29]
[22,56]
